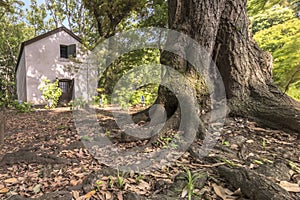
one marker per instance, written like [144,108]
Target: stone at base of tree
[30,157]
[253,185]
[277,170]
[133,196]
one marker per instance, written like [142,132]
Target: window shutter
[63,51]
[72,50]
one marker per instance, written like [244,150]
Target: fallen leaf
[131,174]
[4,190]
[237,192]
[37,189]
[90,194]
[75,195]
[11,180]
[290,187]
[221,192]
[108,195]
[80,175]
[184,193]
[120,196]
[74,182]
[249,141]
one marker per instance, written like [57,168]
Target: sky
[27,3]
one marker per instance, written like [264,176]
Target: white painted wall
[42,59]
[21,79]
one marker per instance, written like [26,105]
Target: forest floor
[43,157]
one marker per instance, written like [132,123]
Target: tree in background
[13,32]
[73,15]
[276,30]
[36,18]
[121,15]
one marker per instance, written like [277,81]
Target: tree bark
[253,185]
[222,29]
[2,126]
[247,74]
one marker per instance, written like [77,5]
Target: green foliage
[76,17]
[36,18]
[120,180]
[264,143]
[273,16]
[128,14]
[13,32]
[277,29]
[99,185]
[256,6]
[111,16]
[168,141]
[226,143]
[101,99]
[294,166]
[191,179]
[155,13]
[78,103]
[50,92]
[258,162]
[22,107]
[86,138]
[283,42]
[134,74]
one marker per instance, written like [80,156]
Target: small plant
[226,143]
[120,180]
[190,186]
[50,92]
[111,182]
[86,138]
[168,141]
[264,143]
[99,185]
[107,133]
[139,178]
[22,107]
[228,162]
[294,166]
[258,162]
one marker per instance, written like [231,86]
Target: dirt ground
[43,157]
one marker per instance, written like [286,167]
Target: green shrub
[22,107]
[50,92]
[78,102]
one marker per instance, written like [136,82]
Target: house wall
[43,60]
[21,79]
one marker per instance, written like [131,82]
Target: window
[67,51]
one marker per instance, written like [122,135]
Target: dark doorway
[66,86]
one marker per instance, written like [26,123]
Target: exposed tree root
[278,112]
[253,185]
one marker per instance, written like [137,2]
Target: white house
[52,56]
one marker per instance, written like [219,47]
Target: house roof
[35,39]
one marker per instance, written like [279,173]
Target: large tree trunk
[246,71]
[221,28]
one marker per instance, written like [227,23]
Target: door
[66,86]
